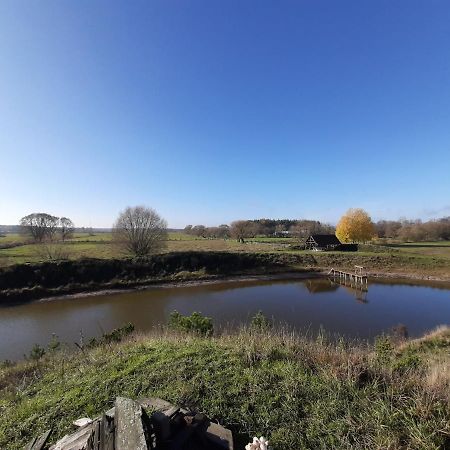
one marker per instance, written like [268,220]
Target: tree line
[242,229]
[42,227]
[414,230]
[358,220]
[140,231]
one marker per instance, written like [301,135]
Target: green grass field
[83,245]
[300,393]
[440,248]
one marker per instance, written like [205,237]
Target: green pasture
[422,257]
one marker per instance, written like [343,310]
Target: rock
[219,436]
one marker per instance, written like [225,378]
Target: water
[304,304]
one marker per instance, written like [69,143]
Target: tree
[241,229]
[199,231]
[387,228]
[188,229]
[66,228]
[140,231]
[40,226]
[223,231]
[355,226]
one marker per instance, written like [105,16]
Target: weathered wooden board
[130,432]
[76,441]
[128,427]
[39,442]
[108,431]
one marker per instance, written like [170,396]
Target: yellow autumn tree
[355,226]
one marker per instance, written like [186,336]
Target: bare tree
[40,226]
[140,231]
[223,231]
[188,229]
[66,228]
[241,229]
[199,231]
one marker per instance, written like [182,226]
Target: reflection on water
[321,285]
[359,290]
[304,304]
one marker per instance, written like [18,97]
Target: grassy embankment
[303,394]
[420,259]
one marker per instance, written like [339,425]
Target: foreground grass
[303,394]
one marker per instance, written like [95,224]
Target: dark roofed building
[322,242]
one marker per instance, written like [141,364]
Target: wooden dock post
[359,277]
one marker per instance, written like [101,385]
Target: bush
[115,335]
[260,322]
[54,345]
[384,350]
[36,353]
[195,323]
[409,360]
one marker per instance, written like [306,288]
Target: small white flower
[258,444]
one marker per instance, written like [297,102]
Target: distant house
[322,242]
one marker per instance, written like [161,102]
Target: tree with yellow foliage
[355,226]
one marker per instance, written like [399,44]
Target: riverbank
[27,282]
[194,279]
[301,393]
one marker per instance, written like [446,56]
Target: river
[306,304]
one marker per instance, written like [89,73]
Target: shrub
[409,360]
[118,334]
[115,335]
[384,350]
[36,353]
[54,345]
[195,323]
[260,322]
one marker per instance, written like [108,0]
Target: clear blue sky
[213,110]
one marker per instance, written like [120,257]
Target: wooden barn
[322,242]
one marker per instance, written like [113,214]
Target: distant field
[11,238]
[439,248]
[99,245]
[83,245]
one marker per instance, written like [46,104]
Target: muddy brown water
[307,305]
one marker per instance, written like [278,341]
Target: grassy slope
[302,394]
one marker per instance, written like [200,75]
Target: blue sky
[211,111]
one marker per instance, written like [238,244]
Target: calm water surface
[304,304]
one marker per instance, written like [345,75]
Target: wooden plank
[108,430]
[130,433]
[38,443]
[96,436]
[30,444]
[76,441]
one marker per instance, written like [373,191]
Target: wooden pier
[358,277]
